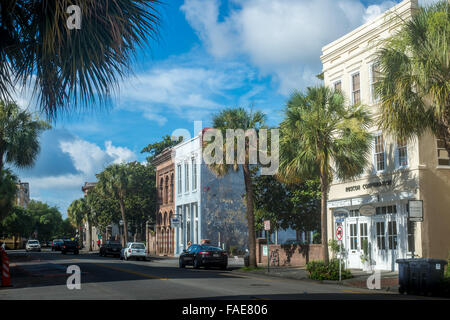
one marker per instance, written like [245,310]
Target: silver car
[33,245]
[134,250]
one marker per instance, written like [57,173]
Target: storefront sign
[341,212]
[265,251]
[367,210]
[369,185]
[267,225]
[415,210]
[175,222]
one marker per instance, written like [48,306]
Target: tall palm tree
[239,118]
[414,85]
[322,136]
[69,67]
[116,182]
[76,215]
[19,133]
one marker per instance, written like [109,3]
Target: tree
[71,67]
[75,215]
[295,206]
[156,148]
[322,137]
[66,230]
[414,85]
[46,219]
[18,223]
[239,118]
[116,182]
[106,210]
[8,192]
[19,133]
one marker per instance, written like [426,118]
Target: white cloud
[119,154]
[282,38]
[373,11]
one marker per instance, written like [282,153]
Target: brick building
[164,233]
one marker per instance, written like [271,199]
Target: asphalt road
[42,275]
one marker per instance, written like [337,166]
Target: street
[42,275]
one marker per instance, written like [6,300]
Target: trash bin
[246,259]
[421,276]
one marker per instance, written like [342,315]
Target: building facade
[23,194]
[399,171]
[207,207]
[164,233]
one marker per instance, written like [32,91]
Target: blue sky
[211,54]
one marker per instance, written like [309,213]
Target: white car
[134,250]
[33,245]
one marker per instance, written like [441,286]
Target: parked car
[57,244]
[70,246]
[33,245]
[135,250]
[204,255]
[110,248]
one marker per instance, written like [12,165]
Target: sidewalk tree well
[69,68]
[321,136]
[238,118]
[414,80]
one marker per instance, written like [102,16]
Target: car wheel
[196,263]
[180,263]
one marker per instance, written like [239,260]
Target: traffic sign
[267,225]
[339,233]
[340,219]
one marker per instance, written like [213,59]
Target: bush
[319,271]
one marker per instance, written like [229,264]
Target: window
[363,238]
[356,89]
[411,229]
[442,154]
[186,177]
[402,152]
[386,210]
[354,213]
[374,77]
[338,86]
[392,235]
[381,236]
[379,152]
[194,174]
[353,236]
[179,178]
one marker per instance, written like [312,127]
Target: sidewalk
[388,281]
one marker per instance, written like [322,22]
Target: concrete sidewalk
[388,279]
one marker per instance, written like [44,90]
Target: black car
[204,255]
[57,244]
[110,248]
[70,246]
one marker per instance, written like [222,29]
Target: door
[189,255]
[357,240]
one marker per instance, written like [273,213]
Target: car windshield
[210,248]
[138,246]
[114,244]
[33,242]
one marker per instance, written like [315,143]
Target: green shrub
[319,271]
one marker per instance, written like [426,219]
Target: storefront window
[354,213]
[392,209]
[353,236]
[381,236]
[363,234]
[392,235]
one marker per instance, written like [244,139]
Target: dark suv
[70,246]
[110,248]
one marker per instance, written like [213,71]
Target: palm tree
[321,136]
[239,118]
[19,133]
[414,85]
[116,182]
[69,67]
[76,215]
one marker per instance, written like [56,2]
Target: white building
[398,172]
[207,207]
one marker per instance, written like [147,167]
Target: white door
[357,231]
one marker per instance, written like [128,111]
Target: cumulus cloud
[282,38]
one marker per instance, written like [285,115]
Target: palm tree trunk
[125,226]
[250,216]
[323,219]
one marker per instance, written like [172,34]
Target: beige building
[398,171]
[23,194]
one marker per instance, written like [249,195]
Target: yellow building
[398,171]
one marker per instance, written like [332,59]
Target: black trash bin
[421,276]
